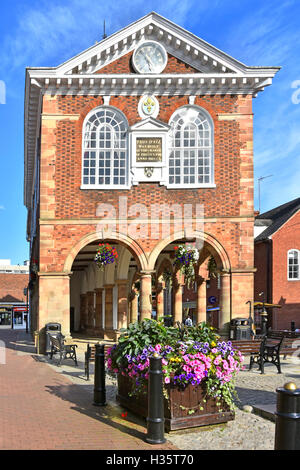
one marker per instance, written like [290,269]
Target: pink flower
[167,380]
[157,348]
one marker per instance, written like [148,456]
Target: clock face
[150,57]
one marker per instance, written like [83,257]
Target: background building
[14,281]
[152,123]
[277,259]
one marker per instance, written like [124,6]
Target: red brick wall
[12,285]
[285,292]
[62,198]
[123,65]
[73,202]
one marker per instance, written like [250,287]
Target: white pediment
[178,42]
[149,124]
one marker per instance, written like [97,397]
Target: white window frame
[97,149]
[173,148]
[292,250]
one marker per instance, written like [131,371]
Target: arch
[164,264]
[123,263]
[210,242]
[124,240]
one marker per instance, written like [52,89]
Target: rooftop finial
[104,33]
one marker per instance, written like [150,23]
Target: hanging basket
[185,259]
[106,254]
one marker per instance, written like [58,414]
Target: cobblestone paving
[247,432]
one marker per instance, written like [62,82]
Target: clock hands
[148,61]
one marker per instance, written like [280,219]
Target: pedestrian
[188,320]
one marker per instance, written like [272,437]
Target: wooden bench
[89,357]
[65,351]
[247,347]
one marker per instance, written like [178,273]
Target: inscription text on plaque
[148,149]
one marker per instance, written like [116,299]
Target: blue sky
[46,33]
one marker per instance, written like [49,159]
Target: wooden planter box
[176,409]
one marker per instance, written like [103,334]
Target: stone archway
[210,247]
[104,302]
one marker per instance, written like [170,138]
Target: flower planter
[181,410]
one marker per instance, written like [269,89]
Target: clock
[149,57]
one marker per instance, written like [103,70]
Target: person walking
[188,320]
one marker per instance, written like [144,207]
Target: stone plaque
[148,149]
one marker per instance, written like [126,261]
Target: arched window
[293,265]
[105,149]
[191,148]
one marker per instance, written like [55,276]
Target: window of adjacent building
[293,264]
[191,148]
[105,149]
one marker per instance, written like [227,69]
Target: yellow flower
[213,344]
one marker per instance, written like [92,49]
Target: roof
[276,218]
[216,73]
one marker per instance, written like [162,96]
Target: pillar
[134,306]
[54,303]
[99,292]
[225,304]
[108,308]
[159,300]
[91,309]
[201,300]
[177,296]
[146,295]
[122,303]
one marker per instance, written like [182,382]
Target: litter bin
[53,329]
[240,329]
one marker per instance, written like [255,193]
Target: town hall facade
[145,142]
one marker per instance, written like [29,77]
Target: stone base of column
[110,334]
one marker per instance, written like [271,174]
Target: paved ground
[43,409]
[55,403]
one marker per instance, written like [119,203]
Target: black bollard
[155,419]
[99,377]
[287,428]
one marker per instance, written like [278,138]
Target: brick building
[150,124]
[277,259]
[13,298]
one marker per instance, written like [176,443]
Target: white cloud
[41,35]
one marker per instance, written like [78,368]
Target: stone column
[201,300]
[108,308]
[159,300]
[145,295]
[122,303]
[90,303]
[134,306]
[99,291]
[54,303]
[177,296]
[225,303]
